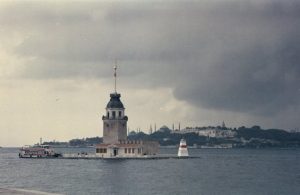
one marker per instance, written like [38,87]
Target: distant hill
[253,137]
[77,142]
[278,137]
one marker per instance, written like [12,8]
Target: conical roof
[115,101]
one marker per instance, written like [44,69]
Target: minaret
[223,125]
[115,121]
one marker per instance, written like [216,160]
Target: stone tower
[115,121]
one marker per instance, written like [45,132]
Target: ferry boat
[38,151]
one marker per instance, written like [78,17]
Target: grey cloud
[247,81]
[234,55]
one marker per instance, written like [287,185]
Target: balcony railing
[114,118]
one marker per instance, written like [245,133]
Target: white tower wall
[182,150]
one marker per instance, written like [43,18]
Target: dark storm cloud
[254,80]
[233,55]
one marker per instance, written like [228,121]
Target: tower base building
[127,149]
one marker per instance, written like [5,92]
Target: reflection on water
[218,171]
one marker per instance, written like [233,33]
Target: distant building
[209,132]
[164,129]
[115,143]
[217,133]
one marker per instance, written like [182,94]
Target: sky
[197,63]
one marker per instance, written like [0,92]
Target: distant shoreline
[176,147]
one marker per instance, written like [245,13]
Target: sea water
[217,171]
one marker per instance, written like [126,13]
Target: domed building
[115,143]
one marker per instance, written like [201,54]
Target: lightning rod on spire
[115,75]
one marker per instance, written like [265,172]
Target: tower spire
[115,75]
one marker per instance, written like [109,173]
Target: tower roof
[115,101]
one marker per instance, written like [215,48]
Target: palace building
[115,143]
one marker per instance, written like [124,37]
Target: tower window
[107,114]
[114,114]
[120,113]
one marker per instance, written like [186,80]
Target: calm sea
[218,171]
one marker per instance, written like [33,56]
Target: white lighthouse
[182,150]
